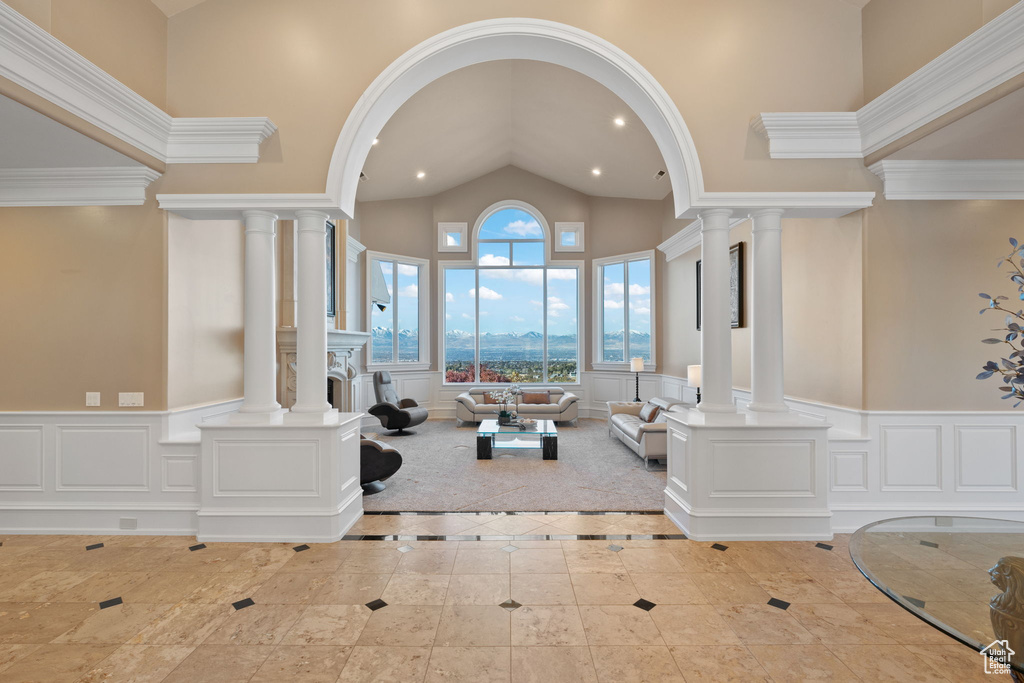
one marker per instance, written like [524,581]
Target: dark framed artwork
[331,274]
[735,285]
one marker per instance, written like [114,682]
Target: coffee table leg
[550,444]
[483,448]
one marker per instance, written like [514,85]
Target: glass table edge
[510,429]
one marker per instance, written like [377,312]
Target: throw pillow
[536,397]
[649,412]
[490,400]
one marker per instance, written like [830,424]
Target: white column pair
[260,363]
[716,323]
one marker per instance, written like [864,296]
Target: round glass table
[962,575]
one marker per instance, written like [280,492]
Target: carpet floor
[440,473]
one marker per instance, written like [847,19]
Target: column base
[311,418]
[268,417]
[705,407]
[768,407]
[264,408]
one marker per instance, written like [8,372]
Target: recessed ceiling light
[596,171]
[375,141]
[421,174]
[620,121]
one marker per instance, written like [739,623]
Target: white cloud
[556,304]
[449,297]
[536,303]
[405,269]
[409,290]
[524,228]
[611,303]
[516,318]
[640,311]
[638,290]
[531,276]
[447,316]
[467,316]
[486,294]
[614,289]
[492,260]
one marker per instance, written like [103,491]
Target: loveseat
[558,404]
[641,427]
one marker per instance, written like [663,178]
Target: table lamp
[637,365]
[693,377]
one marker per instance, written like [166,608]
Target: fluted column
[766,339]
[715,318]
[259,365]
[311,314]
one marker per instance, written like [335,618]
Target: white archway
[534,39]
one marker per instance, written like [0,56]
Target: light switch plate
[130,399]
[92,399]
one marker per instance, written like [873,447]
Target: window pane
[408,313]
[511,224]
[494,254]
[453,239]
[528,254]
[459,325]
[640,309]
[568,238]
[614,313]
[511,332]
[563,346]
[382,322]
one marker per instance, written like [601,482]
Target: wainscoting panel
[278,469]
[21,458]
[742,469]
[107,458]
[911,458]
[180,473]
[849,470]
[985,457]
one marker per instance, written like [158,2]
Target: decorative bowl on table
[526,423]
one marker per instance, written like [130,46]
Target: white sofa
[470,406]
[649,440]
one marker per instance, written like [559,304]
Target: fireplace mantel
[341,345]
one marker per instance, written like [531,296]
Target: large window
[512,316]
[398,329]
[624,305]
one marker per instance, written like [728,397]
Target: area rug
[440,473]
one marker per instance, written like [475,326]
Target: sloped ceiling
[542,118]
[172,7]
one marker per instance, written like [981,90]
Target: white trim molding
[796,204]
[984,60]
[93,186]
[954,179]
[232,206]
[446,228]
[688,238]
[574,228]
[38,62]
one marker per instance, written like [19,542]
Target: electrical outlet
[92,399]
[129,523]
[130,399]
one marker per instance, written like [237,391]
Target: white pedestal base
[280,482]
[756,480]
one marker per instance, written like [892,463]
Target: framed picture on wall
[735,286]
[332,308]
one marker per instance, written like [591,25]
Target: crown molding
[38,62]
[354,248]
[971,179]
[688,238]
[989,57]
[95,186]
[795,204]
[231,206]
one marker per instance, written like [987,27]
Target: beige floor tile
[975,584]
[692,625]
[538,561]
[956,662]
[402,626]
[166,587]
[138,664]
[113,625]
[551,664]
[730,588]
[490,561]
[759,558]
[542,589]
[469,665]
[923,586]
[552,626]
[593,561]
[900,625]
[973,619]
[225,589]
[649,560]
[328,625]
[12,577]
[474,626]
[764,625]
[103,586]
[604,589]
[516,525]
[421,561]
[352,589]
[375,525]
[582,524]
[478,589]
[838,624]
[220,663]
[256,625]
[44,586]
[381,664]
[24,623]
[9,654]
[882,663]
[262,559]
[291,588]
[57,663]
[636,664]
[619,625]
[209,559]
[303,664]
[416,589]
[641,524]
[800,663]
[382,561]
[184,624]
[447,525]
[319,559]
[850,586]
[719,663]
[702,558]
[794,587]
[668,589]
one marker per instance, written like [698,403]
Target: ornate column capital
[715,219]
[766,219]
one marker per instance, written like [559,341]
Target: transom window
[512,316]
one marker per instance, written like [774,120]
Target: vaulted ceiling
[542,118]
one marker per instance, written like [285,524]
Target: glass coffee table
[542,435]
[962,575]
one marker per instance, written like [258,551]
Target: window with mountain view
[512,316]
[405,279]
[624,286]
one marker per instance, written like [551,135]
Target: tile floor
[145,608]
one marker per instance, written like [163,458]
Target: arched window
[512,315]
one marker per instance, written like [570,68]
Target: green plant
[1010,367]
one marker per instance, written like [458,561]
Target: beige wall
[82,295]
[925,263]
[204,311]
[901,36]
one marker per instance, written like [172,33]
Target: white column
[259,364]
[311,314]
[766,343]
[715,322]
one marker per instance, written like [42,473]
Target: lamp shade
[693,375]
[636,365]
